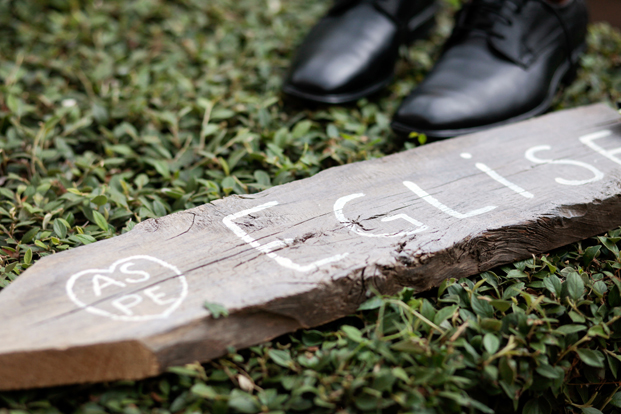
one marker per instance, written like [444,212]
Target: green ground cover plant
[113,112]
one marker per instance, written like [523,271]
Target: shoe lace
[573,65]
[479,16]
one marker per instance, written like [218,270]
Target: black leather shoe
[503,63]
[351,52]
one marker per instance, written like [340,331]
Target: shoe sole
[565,74]
[418,28]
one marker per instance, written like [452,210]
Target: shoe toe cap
[323,76]
[345,56]
[436,111]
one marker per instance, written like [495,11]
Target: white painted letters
[269,248]
[125,303]
[117,293]
[144,278]
[356,228]
[597,174]
[610,154]
[157,297]
[107,281]
[502,180]
[445,209]
[497,177]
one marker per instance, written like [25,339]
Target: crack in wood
[188,229]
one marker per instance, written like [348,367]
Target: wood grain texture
[306,253]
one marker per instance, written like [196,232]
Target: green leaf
[614,297]
[59,228]
[589,254]
[13,104]
[616,400]
[400,373]
[570,329]
[30,234]
[553,284]
[28,256]
[262,178]
[204,391]
[100,220]
[40,244]
[365,401]
[516,274]
[243,402]
[352,333]
[481,307]
[384,380]
[185,370]
[480,406]
[610,245]
[575,285]
[219,114]
[591,357]
[216,310]
[82,238]
[590,410]
[551,268]
[312,338]
[613,364]
[511,390]
[409,345]
[428,310]
[100,200]
[576,317]
[161,167]
[600,288]
[180,402]
[537,406]
[141,180]
[491,324]
[551,372]
[281,356]
[491,343]
[501,305]
[301,128]
[513,290]
[159,209]
[374,303]
[491,371]
[598,330]
[228,183]
[444,314]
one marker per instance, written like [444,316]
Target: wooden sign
[306,253]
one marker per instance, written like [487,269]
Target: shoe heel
[572,73]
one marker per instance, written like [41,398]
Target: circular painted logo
[136,288]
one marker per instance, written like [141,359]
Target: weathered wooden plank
[305,253]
